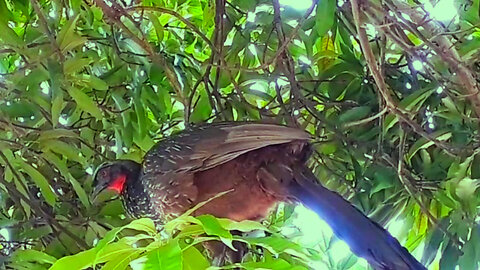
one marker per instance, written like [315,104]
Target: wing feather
[211,145]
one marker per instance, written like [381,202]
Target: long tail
[366,238]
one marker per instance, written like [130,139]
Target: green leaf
[243,226]
[212,227]
[75,64]
[67,38]
[172,45]
[67,32]
[423,143]
[18,109]
[62,167]
[9,36]
[93,82]
[38,232]
[328,148]
[186,216]
[356,113]
[347,262]
[475,167]
[57,106]
[433,243]
[202,109]
[118,255]
[80,260]
[194,260]
[122,105]
[278,264]
[357,168]
[469,259]
[107,239]
[5,14]
[85,102]
[165,101]
[32,255]
[158,27]
[141,117]
[411,103]
[65,149]
[246,5]
[191,48]
[384,178]
[445,199]
[143,224]
[325,16]
[278,244]
[168,257]
[39,180]
[449,257]
[75,42]
[57,133]
[56,79]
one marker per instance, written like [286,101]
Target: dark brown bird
[261,165]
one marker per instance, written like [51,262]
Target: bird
[260,165]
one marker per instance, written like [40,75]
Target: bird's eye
[104,174]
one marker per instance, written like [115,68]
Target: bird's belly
[245,199]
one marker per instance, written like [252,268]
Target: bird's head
[115,176]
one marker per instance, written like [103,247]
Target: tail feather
[365,237]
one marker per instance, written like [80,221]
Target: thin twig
[445,49]
[37,207]
[44,23]
[366,120]
[406,184]
[190,25]
[382,86]
[114,16]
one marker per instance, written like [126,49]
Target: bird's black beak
[96,191]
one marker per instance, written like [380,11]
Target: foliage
[389,92]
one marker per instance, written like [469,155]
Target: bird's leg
[216,251]
[237,256]
[221,254]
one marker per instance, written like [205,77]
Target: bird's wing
[205,147]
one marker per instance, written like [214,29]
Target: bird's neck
[135,197]
[132,177]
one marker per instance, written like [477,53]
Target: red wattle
[118,184]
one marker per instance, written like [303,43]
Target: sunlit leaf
[78,261]
[9,36]
[193,259]
[167,257]
[158,27]
[34,256]
[213,227]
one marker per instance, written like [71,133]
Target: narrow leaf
[85,102]
[39,180]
